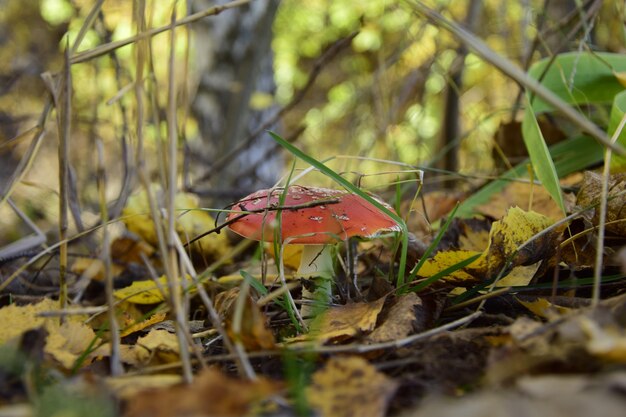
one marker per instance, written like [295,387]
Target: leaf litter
[363,354]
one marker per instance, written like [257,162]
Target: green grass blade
[540,157]
[449,270]
[433,245]
[618,110]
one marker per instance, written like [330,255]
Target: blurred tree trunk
[451,128]
[235,63]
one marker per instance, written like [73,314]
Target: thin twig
[115,360]
[604,201]
[63,103]
[170,258]
[104,49]
[295,207]
[354,347]
[240,305]
[214,316]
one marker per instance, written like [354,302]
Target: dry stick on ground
[606,173]
[235,348]
[187,269]
[173,277]
[63,103]
[115,361]
[25,244]
[353,347]
[169,261]
[240,350]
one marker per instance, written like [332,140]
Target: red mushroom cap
[329,216]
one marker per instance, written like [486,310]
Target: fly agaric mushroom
[315,218]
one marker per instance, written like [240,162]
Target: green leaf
[579,78]
[540,158]
[617,113]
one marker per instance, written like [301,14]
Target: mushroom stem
[316,266]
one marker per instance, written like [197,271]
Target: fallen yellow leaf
[65,342]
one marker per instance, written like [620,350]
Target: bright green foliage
[579,79]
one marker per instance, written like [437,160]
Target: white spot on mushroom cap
[341,217]
[316,218]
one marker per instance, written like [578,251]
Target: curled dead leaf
[343,322]
[399,322]
[591,192]
[253,331]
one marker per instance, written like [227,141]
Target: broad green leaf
[540,157]
[579,78]
[617,113]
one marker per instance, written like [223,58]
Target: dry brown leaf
[124,250]
[128,354]
[211,394]
[253,332]
[69,342]
[349,386]
[590,193]
[343,322]
[544,395]
[157,347]
[399,322]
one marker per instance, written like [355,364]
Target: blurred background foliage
[377,81]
